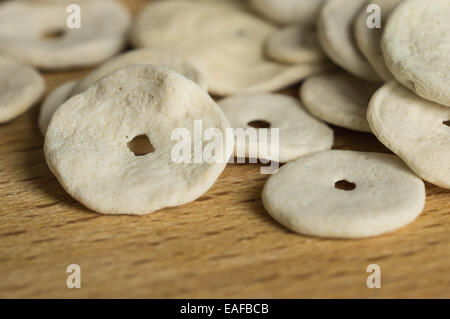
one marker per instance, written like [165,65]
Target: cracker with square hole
[143,56]
[298,132]
[344,194]
[53,101]
[38,34]
[224,43]
[416,47]
[339,98]
[303,12]
[294,44]
[94,142]
[369,39]
[21,86]
[335,30]
[415,129]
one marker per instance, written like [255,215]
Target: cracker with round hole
[416,47]
[294,44]
[335,31]
[338,98]
[415,129]
[303,12]
[53,101]
[344,194]
[21,86]
[88,138]
[369,39]
[224,43]
[37,33]
[143,56]
[298,132]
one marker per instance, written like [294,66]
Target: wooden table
[222,245]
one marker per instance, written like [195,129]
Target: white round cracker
[53,101]
[415,129]
[226,44]
[299,133]
[86,141]
[20,87]
[369,39]
[143,56]
[338,98]
[23,26]
[335,31]
[302,194]
[294,44]
[303,12]
[416,48]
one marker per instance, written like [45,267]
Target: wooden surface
[222,245]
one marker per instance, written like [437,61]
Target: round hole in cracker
[345,185]
[259,124]
[140,145]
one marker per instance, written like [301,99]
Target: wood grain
[222,245]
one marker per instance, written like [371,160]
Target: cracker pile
[109,138]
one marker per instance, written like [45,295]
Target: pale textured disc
[416,47]
[338,98]
[295,44]
[20,87]
[369,39]
[299,132]
[86,145]
[335,30]
[415,129]
[303,12]
[37,33]
[224,43]
[303,197]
